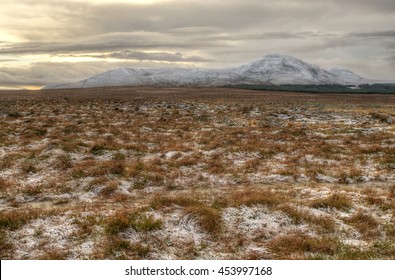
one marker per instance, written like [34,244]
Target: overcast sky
[56,41]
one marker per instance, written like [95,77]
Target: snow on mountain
[272,69]
[346,76]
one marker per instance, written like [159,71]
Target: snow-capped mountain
[269,70]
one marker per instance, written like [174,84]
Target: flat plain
[196,173]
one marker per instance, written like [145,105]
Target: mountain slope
[270,70]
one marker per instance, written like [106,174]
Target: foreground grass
[196,174]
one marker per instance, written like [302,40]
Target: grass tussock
[161,201]
[146,223]
[208,219]
[63,162]
[373,198]
[4,184]
[54,254]
[13,220]
[109,189]
[5,245]
[117,223]
[140,250]
[391,192]
[250,197]
[365,223]
[33,190]
[115,248]
[296,245]
[336,200]
[92,168]
[86,224]
[140,222]
[324,223]
[375,251]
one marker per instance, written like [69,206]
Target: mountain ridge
[272,69]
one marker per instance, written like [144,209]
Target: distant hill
[272,69]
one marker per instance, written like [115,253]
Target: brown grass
[140,222]
[391,192]
[113,247]
[373,197]
[73,151]
[336,200]
[366,224]
[208,219]
[5,245]
[323,222]
[163,200]
[63,162]
[54,254]
[296,245]
[145,223]
[4,184]
[15,219]
[33,190]
[109,189]
[249,197]
[92,168]
[86,225]
[117,223]
[251,165]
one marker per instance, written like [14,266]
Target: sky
[44,42]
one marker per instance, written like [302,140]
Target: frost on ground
[148,173]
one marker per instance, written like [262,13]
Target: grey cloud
[273,36]
[377,34]
[231,31]
[156,56]
[43,73]
[383,6]
[40,74]
[105,42]
[84,19]
[186,24]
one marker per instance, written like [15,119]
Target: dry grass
[391,192]
[145,223]
[250,197]
[54,254]
[145,173]
[4,184]
[336,200]
[85,225]
[208,219]
[123,220]
[117,223]
[116,248]
[5,245]
[13,220]
[109,189]
[324,223]
[163,200]
[366,224]
[296,245]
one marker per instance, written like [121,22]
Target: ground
[150,173]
